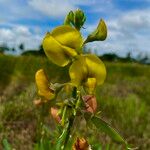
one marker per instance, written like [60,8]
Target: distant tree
[110,57]
[13,49]
[41,50]
[21,47]
[4,48]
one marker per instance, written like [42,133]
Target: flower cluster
[63,46]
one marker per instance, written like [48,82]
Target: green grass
[123,99]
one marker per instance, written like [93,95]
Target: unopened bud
[79,18]
[99,34]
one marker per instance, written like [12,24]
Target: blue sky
[27,21]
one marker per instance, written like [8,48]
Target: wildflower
[89,71]
[62,44]
[42,83]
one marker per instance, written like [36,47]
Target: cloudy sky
[27,21]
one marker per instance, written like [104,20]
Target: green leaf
[99,34]
[61,139]
[6,145]
[105,127]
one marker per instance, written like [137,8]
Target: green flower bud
[69,18]
[79,19]
[76,19]
[99,34]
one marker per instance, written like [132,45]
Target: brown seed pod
[80,144]
[54,113]
[90,103]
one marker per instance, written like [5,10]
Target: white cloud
[58,8]
[19,34]
[128,32]
[52,8]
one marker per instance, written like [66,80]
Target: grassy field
[123,99]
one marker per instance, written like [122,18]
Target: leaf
[61,139]
[105,127]
[6,145]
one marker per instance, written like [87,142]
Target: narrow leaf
[105,127]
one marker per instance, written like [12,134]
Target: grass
[123,99]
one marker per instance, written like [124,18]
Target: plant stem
[72,118]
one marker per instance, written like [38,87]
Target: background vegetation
[123,99]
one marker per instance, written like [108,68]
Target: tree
[21,47]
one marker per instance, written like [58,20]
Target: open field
[123,99]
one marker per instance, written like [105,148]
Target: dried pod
[80,144]
[54,113]
[90,103]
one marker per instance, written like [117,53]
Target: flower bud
[79,19]
[99,34]
[69,18]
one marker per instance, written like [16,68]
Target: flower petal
[78,71]
[68,36]
[55,51]
[96,68]
[43,85]
[90,85]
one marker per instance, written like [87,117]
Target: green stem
[72,118]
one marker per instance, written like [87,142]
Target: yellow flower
[89,71]
[62,44]
[43,85]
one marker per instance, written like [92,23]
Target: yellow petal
[78,71]
[90,85]
[54,51]
[96,68]
[87,66]
[67,36]
[43,85]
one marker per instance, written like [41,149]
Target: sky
[128,21]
